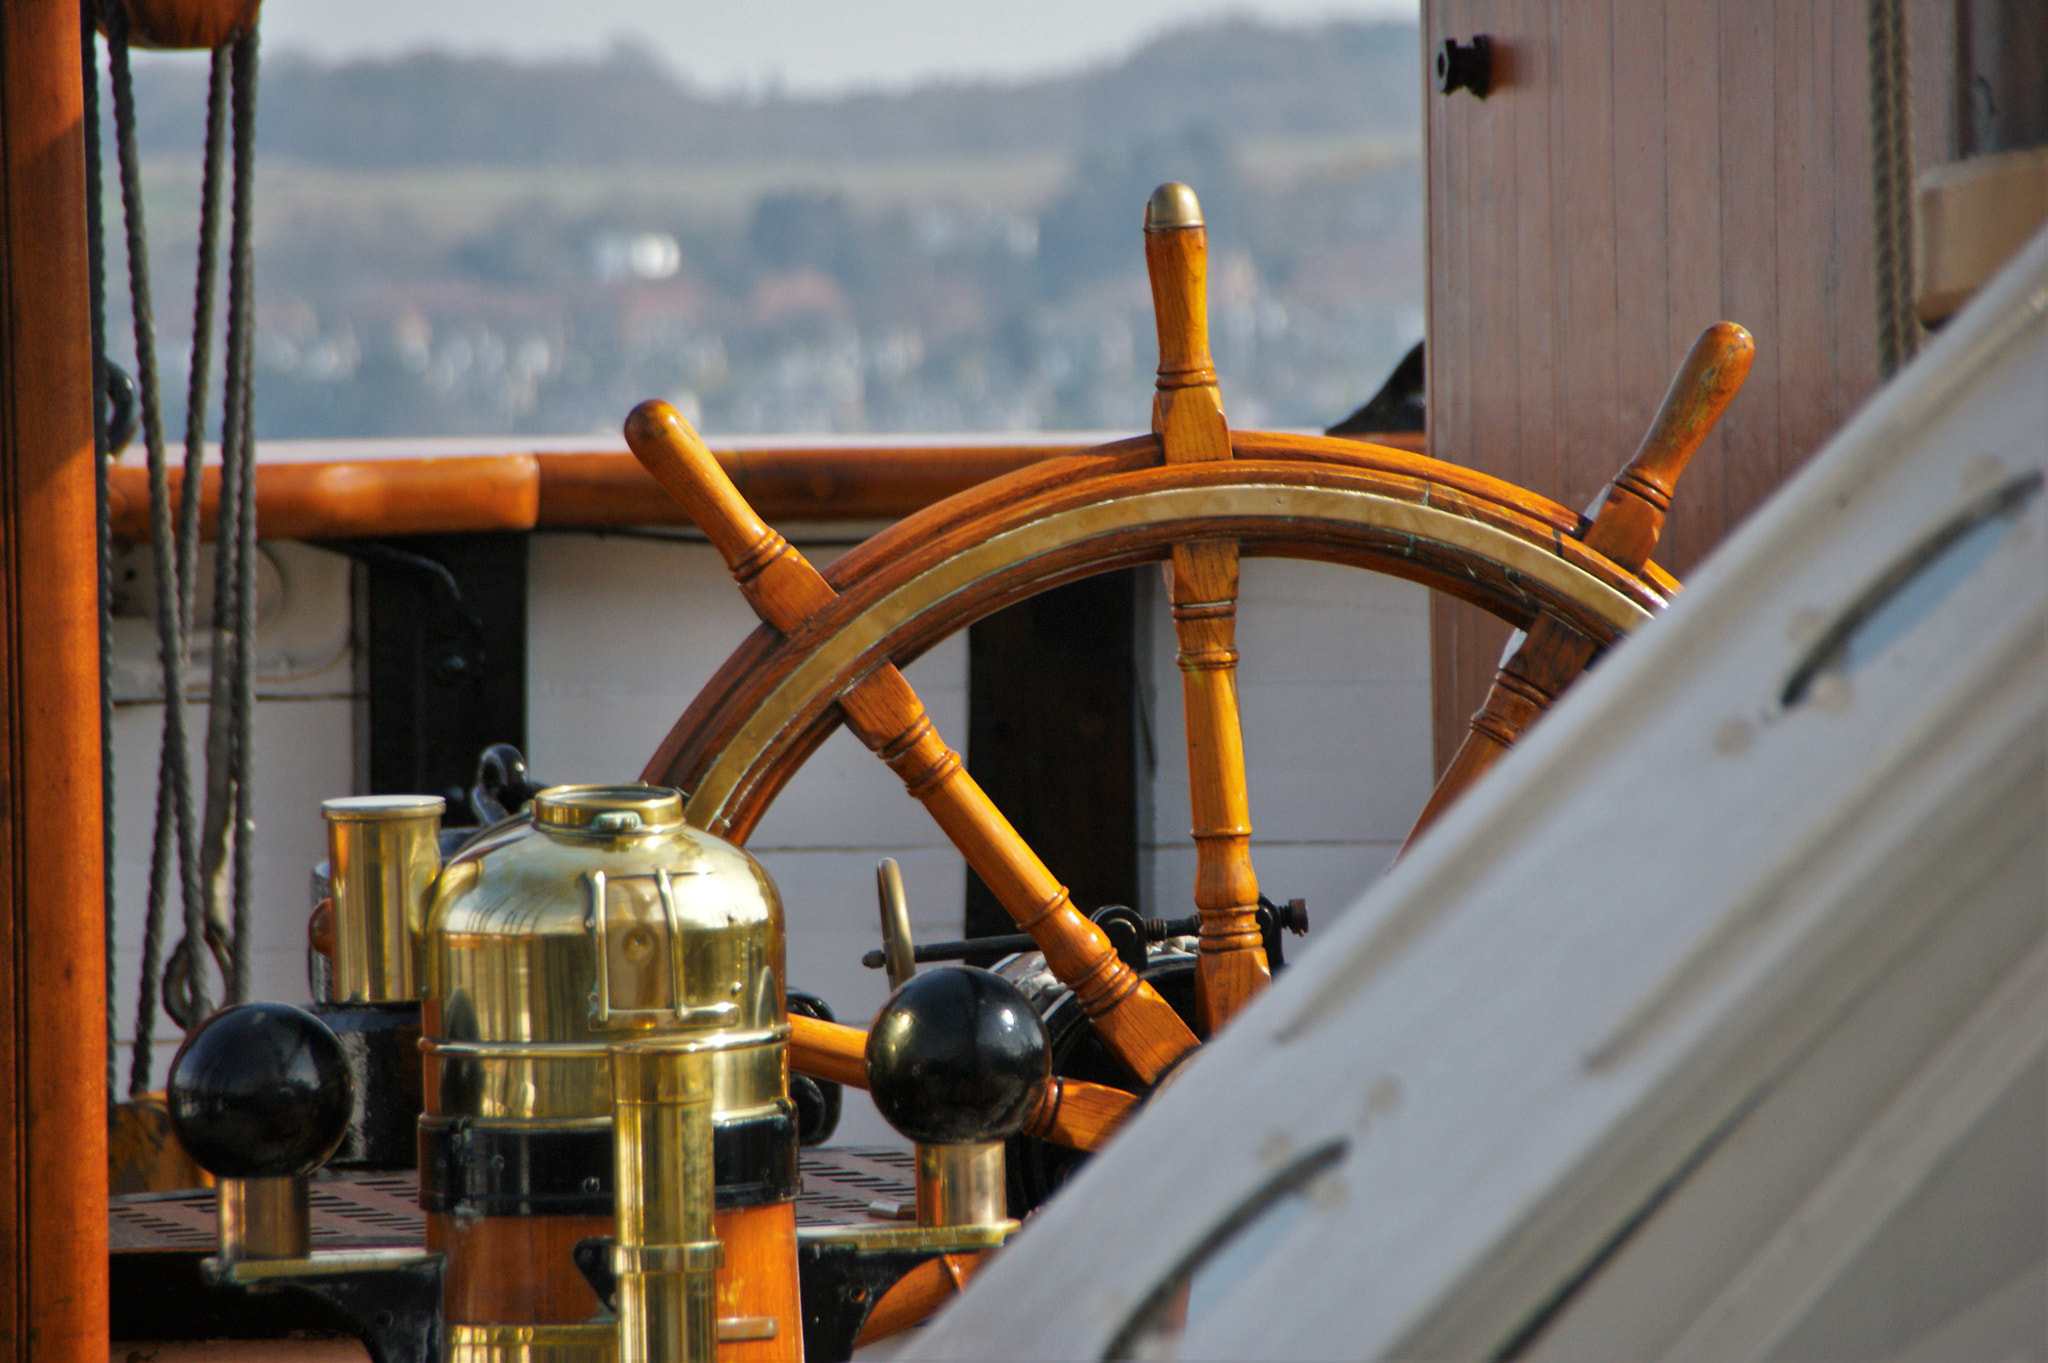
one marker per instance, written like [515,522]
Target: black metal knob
[958,1055]
[1465,66]
[260,1091]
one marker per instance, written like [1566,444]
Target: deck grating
[364,1211]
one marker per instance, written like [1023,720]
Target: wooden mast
[53,1252]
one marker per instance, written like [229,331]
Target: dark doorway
[444,624]
[1051,723]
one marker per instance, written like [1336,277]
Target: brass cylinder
[666,1256]
[264,1218]
[961,1185]
[383,852]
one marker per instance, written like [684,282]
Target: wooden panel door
[1641,169]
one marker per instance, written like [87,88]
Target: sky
[803,46]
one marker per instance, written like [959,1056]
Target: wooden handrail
[352,489]
[349,498]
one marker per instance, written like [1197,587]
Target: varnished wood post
[53,1118]
[1187,415]
[1135,1024]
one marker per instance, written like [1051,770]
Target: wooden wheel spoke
[1232,965]
[1187,415]
[1136,1025]
[1631,517]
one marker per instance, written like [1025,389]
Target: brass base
[594,1343]
[961,1185]
[264,1218]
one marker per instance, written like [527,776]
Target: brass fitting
[383,852]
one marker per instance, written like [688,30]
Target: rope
[96,271]
[202,337]
[1891,184]
[173,832]
[241,383]
[214,825]
[232,703]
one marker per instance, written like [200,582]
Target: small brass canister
[383,852]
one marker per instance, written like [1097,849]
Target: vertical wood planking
[1749,246]
[1534,368]
[1051,736]
[1644,356]
[1672,163]
[1692,248]
[1584,163]
[1448,259]
[1544,108]
[1446,375]
[1488,407]
[1802,364]
[1487,413]
[1854,337]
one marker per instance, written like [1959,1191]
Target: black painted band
[472,1169]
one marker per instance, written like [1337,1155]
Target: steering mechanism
[597,978]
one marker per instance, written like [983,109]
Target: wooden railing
[344,489]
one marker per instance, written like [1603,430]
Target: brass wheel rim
[1505,566]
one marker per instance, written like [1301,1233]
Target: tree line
[1238,78]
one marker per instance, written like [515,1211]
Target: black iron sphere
[957,1055]
[260,1091]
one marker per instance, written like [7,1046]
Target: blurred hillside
[468,246]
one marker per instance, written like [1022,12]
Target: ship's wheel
[1197,496]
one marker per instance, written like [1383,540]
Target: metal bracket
[845,1270]
[392,1297]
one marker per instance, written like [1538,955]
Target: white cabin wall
[305,702]
[623,632]
[621,635]
[1333,689]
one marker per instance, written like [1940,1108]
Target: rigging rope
[102,452]
[204,875]
[230,817]
[172,845]
[213,833]
[241,379]
[202,340]
[1891,185]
